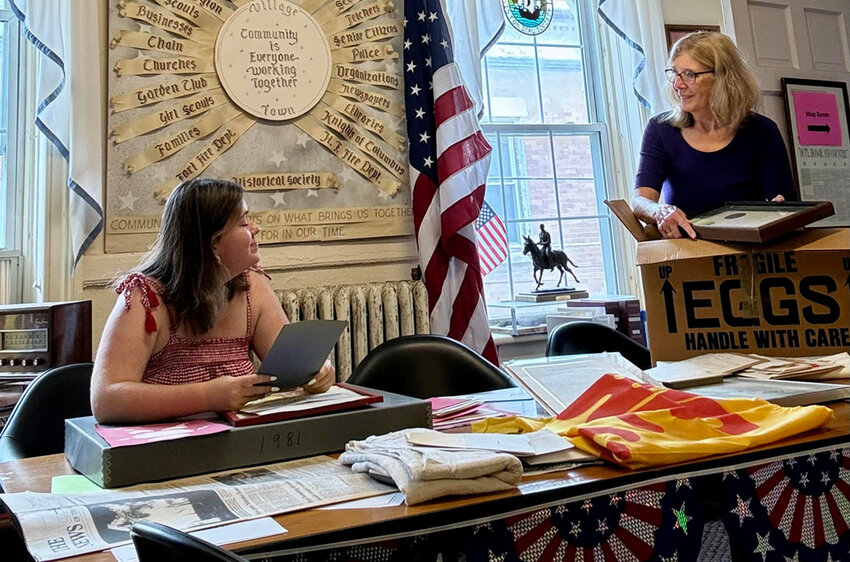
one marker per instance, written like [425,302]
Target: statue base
[547,295]
[557,291]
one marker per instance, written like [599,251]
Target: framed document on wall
[816,112]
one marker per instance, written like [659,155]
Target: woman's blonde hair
[736,90]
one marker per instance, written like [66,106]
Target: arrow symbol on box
[667,290]
[818,128]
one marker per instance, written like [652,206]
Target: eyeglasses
[686,76]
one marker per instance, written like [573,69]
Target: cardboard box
[111,467]
[786,298]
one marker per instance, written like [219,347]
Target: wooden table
[312,529]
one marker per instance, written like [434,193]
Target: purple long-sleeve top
[752,167]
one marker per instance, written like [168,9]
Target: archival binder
[112,467]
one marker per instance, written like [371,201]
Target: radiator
[375,312]
[9,279]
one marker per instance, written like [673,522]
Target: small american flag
[492,239]
[449,159]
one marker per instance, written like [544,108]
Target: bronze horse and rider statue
[543,257]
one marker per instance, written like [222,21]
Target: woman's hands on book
[231,393]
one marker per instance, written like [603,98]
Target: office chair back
[36,425]
[425,365]
[589,337]
[156,542]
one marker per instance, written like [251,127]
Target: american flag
[492,239]
[449,158]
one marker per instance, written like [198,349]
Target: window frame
[596,130]
[14,93]
[11,290]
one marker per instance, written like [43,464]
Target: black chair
[156,542]
[589,337]
[36,425]
[426,365]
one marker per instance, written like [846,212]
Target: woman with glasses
[712,147]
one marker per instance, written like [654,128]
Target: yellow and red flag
[637,425]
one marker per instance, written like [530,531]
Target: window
[543,120]
[9,42]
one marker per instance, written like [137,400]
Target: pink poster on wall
[817,118]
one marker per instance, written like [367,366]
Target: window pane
[5,30]
[485,92]
[547,167]
[493,195]
[495,165]
[512,73]
[526,156]
[541,196]
[498,282]
[517,204]
[4,79]
[511,35]
[562,81]
[577,198]
[564,29]
[573,158]
[582,242]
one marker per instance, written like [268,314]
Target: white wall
[692,12]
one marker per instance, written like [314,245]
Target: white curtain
[70,111]
[640,23]
[475,26]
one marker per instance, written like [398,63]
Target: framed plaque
[758,221]
[301,102]
[817,115]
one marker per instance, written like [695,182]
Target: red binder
[363,398]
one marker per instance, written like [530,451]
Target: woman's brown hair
[194,283]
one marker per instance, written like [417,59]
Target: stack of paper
[702,369]
[711,368]
[454,414]
[535,448]
[800,368]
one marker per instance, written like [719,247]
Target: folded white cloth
[424,473]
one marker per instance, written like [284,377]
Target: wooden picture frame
[817,113]
[674,32]
[758,221]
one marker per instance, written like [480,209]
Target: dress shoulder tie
[149,298]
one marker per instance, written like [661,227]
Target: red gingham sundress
[182,360]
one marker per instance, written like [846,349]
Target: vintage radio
[36,337]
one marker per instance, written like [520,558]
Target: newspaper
[56,526]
